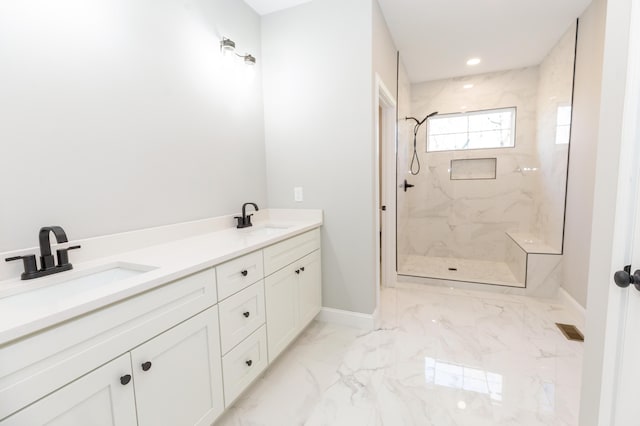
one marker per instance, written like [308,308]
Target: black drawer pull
[249,363]
[297,271]
[146,366]
[244,272]
[124,380]
[246,314]
[302,268]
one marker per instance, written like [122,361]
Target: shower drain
[571,332]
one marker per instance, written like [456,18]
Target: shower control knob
[624,279]
[407,185]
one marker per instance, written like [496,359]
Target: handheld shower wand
[414,158]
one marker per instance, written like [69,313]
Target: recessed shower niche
[489,199]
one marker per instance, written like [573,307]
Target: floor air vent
[571,332]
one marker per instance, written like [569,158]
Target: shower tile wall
[554,91]
[404,133]
[468,218]
[440,218]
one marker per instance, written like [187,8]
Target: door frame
[385,269]
[614,212]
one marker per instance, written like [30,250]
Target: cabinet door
[281,298]
[178,374]
[309,288]
[99,398]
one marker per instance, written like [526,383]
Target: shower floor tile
[449,268]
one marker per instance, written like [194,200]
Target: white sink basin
[268,230]
[66,290]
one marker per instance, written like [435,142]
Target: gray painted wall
[118,115]
[319,134]
[384,52]
[582,157]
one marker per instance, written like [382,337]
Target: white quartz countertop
[29,306]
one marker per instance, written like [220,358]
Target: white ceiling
[436,37]
[264,7]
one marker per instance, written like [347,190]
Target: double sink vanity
[162,334]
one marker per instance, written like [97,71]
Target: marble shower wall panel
[403,159]
[468,219]
[554,91]
[544,275]
[516,260]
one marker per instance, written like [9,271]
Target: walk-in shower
[488,203]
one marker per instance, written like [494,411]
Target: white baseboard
[348,318]
[572,305]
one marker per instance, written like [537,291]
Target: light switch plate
[297,194]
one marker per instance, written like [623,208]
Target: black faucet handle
[63,255]
[29,262]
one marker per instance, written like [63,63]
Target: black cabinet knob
[249,363]
[246,314]
[302,268]
[244,272]
[297,271]
[146,366]
[124,380]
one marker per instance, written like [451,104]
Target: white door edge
[385,100]
[613,214]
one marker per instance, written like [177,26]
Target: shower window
[492,128]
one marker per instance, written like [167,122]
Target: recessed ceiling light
[467,86]
[473,61]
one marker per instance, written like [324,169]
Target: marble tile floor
[440,357]
[467,270]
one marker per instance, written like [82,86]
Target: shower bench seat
[535,263]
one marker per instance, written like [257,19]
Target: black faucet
[244,221]
[47,262]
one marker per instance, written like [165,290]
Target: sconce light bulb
[227,46]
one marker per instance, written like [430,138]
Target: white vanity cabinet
[293,291]
[178,354]
[103,397]
[309,288]
[166,373]
[177,375]
[45,363]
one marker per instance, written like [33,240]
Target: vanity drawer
[243,364]
[240,315]
[281,254]
[239,273]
